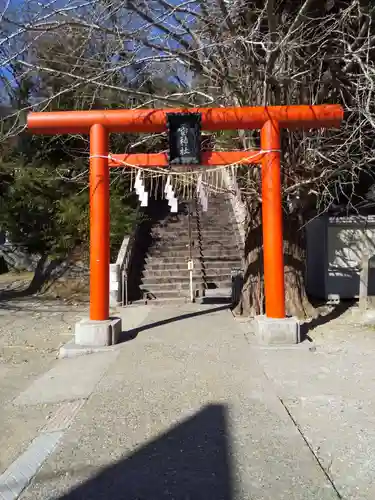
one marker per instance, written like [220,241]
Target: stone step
[217,234]
[165,294]
[162,301]
[171,272]
[183,243]
[216,218]
[177,296]
[203,223]
[159,265]
[182,285]
[172,281]
[221,213]
[216,296]
[212,205]
[207,257]
[212,229]
[211,295]
[210,251]
[218,221]
[223,236]
[177,246]
[210,246]
[223,291]
[218,215]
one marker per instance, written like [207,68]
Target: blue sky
[26,7]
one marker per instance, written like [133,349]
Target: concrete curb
[72,350]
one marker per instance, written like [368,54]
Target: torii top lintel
[154,120]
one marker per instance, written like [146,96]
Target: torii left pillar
[99,330]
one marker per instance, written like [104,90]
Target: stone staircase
[216,251]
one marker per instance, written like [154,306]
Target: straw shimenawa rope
[183,182]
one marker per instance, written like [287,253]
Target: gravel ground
[31,331]
[344,325]
[36,324]
[32,328]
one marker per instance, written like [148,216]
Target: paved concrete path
[181,410]
[329,392]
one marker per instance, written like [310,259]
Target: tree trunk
[251,302]
[251,299]
[45,272]
[296,300]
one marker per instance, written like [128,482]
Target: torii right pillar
[274,327]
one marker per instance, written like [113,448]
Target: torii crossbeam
[269,119]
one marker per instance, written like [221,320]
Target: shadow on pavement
[132,334]
[191,461]
[336,312]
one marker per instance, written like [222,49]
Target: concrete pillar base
[277,331]
[98,333]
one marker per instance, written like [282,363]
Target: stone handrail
[119,271]
[240,215]
[238,206]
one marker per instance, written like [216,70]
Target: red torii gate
[269,119]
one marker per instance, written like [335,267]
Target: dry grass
[70,289]
[66,289]
[9,278]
